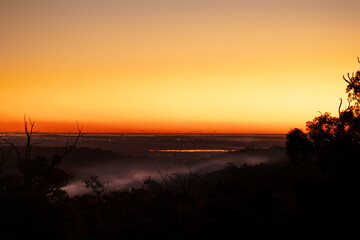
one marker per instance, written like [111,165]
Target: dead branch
[29,134]
[349,80]
[29,131]
[185,180]
[164,177]
[340,106]
[37,143]
[70,147]
[4,155]
[12,145]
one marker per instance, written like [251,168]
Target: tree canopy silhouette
[331,143]
[38,173]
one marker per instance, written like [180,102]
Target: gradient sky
[174,66]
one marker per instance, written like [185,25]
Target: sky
[259,66]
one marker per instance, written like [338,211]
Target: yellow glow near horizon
[224,66]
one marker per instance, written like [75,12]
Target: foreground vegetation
[249,199]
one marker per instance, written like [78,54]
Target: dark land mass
[272,197]
[124,170]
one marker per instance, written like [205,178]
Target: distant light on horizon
[191,150]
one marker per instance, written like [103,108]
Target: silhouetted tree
[39,173]
[151,185]
[298,146]
[331,143]
[95,185]
[353,87]
[185,180]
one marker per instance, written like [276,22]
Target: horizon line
[86,133]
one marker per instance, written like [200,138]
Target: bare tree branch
[164,177]
[349,80]
[37,143]
[6,141]
[70,147]
[340,106]
[3,160]
[29,134]
[185,180]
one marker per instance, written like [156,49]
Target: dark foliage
[332,144]
[257,200]
[298,146]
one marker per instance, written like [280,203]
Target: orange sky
[174,66]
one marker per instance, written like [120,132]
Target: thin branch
[164,178]
[349,80]
[37,143]
[67,141]
[29,134]
[185,180]
[340,106]
[70,147]
[13,146]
